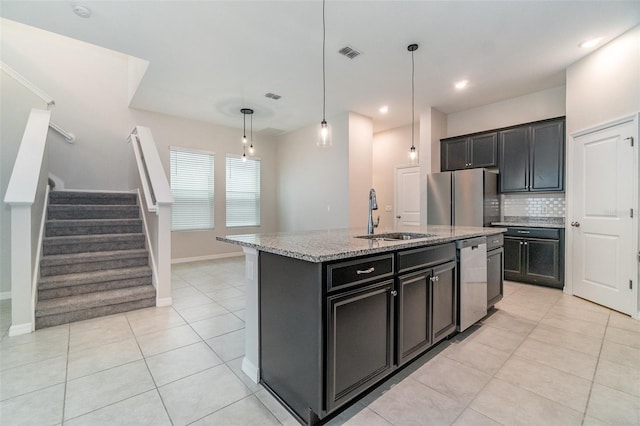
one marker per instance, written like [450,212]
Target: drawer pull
[496,241]
[524,232]
[365,271]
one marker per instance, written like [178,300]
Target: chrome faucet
[373,205]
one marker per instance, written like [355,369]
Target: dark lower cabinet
[426,309]
[534,255]
[360,340]
[329,331]
[414,315]
[444,301]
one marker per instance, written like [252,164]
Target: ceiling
[208,59]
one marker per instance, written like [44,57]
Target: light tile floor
[541,357]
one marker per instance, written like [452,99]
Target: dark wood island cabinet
[338,313]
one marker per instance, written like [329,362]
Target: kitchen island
[332,313]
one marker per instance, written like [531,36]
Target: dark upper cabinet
[469,152]
[547,156]
[532,157]
[514,160]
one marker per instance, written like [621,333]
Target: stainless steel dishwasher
[472,281]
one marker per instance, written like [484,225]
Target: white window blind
[192,190]
[243,192]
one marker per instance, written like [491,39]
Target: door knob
[575,224]
[398,217]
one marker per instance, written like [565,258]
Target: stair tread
[89,222]
[72,197]
[95,276]
[56,259]
[92,300]
[90,237]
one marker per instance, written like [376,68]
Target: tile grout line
[595,371]
[66,376]
[502,365]
[144,358]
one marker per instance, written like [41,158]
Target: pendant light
[244,112]
[413,155]
[324,132]
[251,149]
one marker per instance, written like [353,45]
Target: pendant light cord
[413,102]
[324,90]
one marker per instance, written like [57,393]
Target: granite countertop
[531,222]
[334,244]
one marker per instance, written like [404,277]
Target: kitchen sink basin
[395,236]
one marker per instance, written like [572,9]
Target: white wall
[360,168]
[606,84]
[180,132]
[91,88]
[523,109]
[313,182]
[390,149]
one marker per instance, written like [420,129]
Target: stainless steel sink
[395,236]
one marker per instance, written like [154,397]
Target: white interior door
[602,226]
[407,212]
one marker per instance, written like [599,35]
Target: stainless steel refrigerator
[463,198]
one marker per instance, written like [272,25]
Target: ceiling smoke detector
[273,96]
[349,52]
[81,11]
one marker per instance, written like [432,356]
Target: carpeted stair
[94,261]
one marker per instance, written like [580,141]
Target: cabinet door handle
[394,293]
[525,243]
[365,271]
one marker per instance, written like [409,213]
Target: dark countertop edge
[529,225]
[389,247]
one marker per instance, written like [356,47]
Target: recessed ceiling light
[590,43]
[461,84]
[81,11]
[384,109]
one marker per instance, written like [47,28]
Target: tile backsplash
[533,205]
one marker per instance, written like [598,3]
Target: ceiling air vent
[349,52]
[273,96]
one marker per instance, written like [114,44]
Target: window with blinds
[192,190]
[243,192]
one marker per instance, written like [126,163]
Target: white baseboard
[164,301]
[208,257]
[18,329]
[251,370]
[4,295]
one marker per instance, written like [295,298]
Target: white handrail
[154,180]
[147,191]
[70,137]
[29,85]
[23,183]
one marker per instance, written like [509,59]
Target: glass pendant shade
[413,155]
[324,135]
